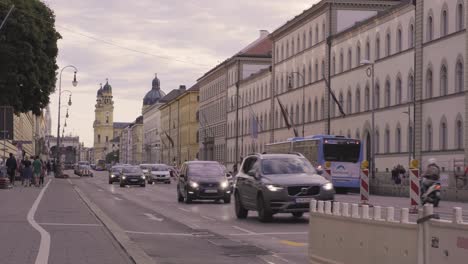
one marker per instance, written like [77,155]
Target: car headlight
[193,184]
[274,188]
[328,186]
[143,177]
[123,177]
[224,184]
[112,176]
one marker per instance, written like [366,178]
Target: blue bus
[341,157]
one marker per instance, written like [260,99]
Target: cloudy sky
[128,41]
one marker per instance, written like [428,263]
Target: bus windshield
[342,152]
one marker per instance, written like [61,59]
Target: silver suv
[278,183]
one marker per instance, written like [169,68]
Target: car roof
[202,162]
[277,155]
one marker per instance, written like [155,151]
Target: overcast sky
[178,39]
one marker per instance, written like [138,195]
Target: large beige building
[131,143]
[418,57]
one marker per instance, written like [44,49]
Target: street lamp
[370,73]
[303,97]
[74,83]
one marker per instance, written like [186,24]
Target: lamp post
[370,73]
[303,97]
[408,112]
[74,83]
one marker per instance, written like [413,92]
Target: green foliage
[28,53]
[112,157]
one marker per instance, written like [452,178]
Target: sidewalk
[76,236]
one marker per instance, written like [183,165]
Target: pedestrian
[37,168]
[27,172]
[11,168]
[43,173]
[49,167]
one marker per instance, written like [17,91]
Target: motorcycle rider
[431,175]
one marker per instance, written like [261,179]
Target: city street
[150,218]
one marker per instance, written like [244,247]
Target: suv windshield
[291,165]
[205,170]
[131,170]
[160,168]
[342,152]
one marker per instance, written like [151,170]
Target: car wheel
[187,199]
[264,212]
[227,199]
[298,214]
[241,212]
[180,198]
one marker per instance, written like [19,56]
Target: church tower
[103,122]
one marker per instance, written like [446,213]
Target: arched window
[316,112]
[341,61]
[388,45]
[377,96]
[429,136]
[410,139]
[444,23]
[411,36]
[282,52]
[459,134]
[276,119]
[322,108]
[303,80]
[316,71]
[430,28]
[341,101]
[399,45]
[333,65]
[387,141]
[323,31]
[99,138]
[357,107]
[304,41]
[429,84]
[388,93]
[367,50]
[410,88]
[367,98]
[323,69]
[358,54]
[358,134]
[443,135]
[310,72]
[297,114]
[350,59]
[443,81]
[332,108]
[291,113]
[398,140]
[316,34]
[377,141]
[377,48]
[398,97]
[309,111]
[310,37]
[459,77]
[293,48]
[349,103]
[298,49]
[460,17]
[287,48]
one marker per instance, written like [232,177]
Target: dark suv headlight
[274,187]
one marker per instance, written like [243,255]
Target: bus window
[342,152]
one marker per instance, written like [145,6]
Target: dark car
[203,180]
[278,183]
[114,174]
[132,175]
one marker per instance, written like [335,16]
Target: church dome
[99,92]
[155,94]
[107,88]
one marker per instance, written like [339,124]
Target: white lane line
[154,218]
[64,224]
[44,247]
[208,218]
[183,209]
[269,234]
[158,234]
[118,199]
[243,229]
[70,181]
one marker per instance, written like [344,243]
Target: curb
[136,254]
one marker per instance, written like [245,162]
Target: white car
[159,173]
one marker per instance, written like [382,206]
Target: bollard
[390,214]
[457,215]
[404,215]
[415,197]
[336,208]
[320,207]
[313,206]
[365,212]
[345,211]
[378,213]
[364,189]
[355,211]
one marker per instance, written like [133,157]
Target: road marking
[154,218]
[70,181]
[158,234]
[270,234]
[209,218]
[244,230]
[64,224]
[118,199]
[292,243]
[44,247]
[183,209]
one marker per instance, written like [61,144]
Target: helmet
[432,161]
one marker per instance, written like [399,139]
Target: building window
[460,17]
[429,84]
[298,49]
[459,78]
[333,65]
[459,134]
[398,96]
[358,55]
[443,135]
[430,28]
[297,114]
[293,48]
[377,141]
[444,23]
[410,139]
[99,139]
[377,96]
[323,69]
[398,140]
[377,48]
[399,40]
[410,88]
[429,137]
[310,37]
[443,81]
[333,108]
[411,36]
[341,62]
[316,112]
[357,107]
[316,71]
[341,101]
[309,111]
[387,94]
[367,99]
[350,59]
[323,31]
[367,50]
[310,73]
[388,45]
[387,141]
[349,103]
[282,52]
[287,49]
[304,41]
[322,108]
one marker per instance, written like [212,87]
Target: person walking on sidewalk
[43,173]
[37,167]
[11,168]
[27,172]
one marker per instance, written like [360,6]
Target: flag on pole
[285,115]
[169,138]
[340,107]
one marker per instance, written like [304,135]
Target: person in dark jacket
[11,168]
[27,172]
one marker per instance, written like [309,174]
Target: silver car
[278,183]
[159,173]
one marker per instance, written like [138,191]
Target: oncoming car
[159,173]
[114,174]
[278,183]
[132,175]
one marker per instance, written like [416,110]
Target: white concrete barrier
[368,237]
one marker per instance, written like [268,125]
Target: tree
[28,54]
[112,157]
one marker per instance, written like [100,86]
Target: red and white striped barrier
[327,174]
[364,189]
[415,190]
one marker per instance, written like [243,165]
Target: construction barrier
[342,233]
[327,174]
[364,189]
[4,183]
[415,189]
